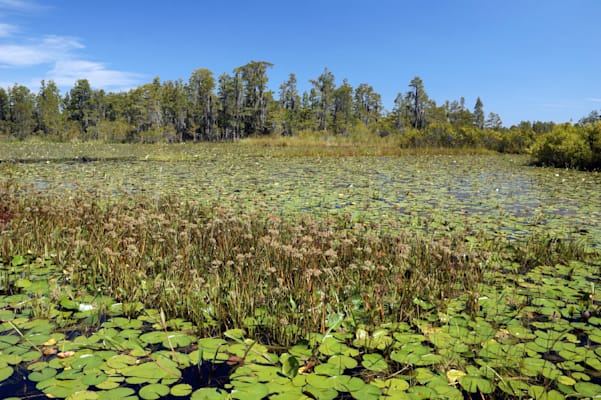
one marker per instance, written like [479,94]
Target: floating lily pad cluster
[496,193]
[536,335]
[489,286]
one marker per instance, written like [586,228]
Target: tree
[400,112]
[479,113]
[343,117]
[174,105]
[493,121]
[418,102]
[79,106]
[48,103]
[290,104]
[322,95]
[230,97]
[4,111]
[458,115]
[367,105]
[591,118]
[201,85]
[308,118]
[254,81]
[21,109]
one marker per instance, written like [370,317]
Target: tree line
[240,104]
[231,106]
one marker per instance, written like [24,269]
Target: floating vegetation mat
[535,335]
[242,274]
[493,193]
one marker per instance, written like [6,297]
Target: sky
[529,60]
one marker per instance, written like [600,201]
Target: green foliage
[570,146]
[234,106]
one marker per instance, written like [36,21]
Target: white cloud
[59,54]
[47,50]
[594,99]
[60,58]
[67,72]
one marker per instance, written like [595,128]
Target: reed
[222,268]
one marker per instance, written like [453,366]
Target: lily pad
[181,390]
[6,372]
[374,362]
[117,394]
[153,391]
[475,384]
[209,394]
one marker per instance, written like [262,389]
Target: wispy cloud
[61,56]
[594,99]
[46,50]
[67,72]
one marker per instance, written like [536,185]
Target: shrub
[566,146]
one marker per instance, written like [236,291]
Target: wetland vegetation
[240,105]
[295,268]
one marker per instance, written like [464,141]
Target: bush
[566,146]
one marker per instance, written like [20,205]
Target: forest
[240,104]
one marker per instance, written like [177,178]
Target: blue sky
[526,59]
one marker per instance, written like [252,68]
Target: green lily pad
[94,378]
[249,391]
[208,394]
[475,384]
[321,393]
[177,339]
[61,388]
[154,337]
[112,382]
[540,393]
[6,372]
[367,392]
[374,362]
[120,361]
[514,387]
[42,375]
[331,346]
[162,368]
[236,334]
[117,394]
[83,395]
[391,385]
[566,380]
[587,389]
[342,362]
[345,383]
[181,390]
[594,363]
[153,391]
[319,381]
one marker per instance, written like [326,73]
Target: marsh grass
[221,269]
[312,144]
[307,144]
